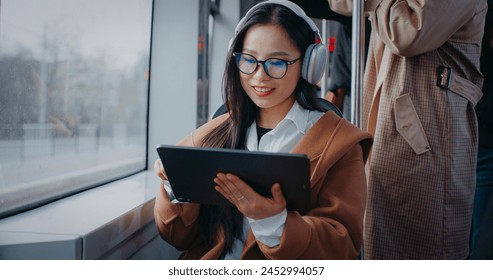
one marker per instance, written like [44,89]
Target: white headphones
[315,58]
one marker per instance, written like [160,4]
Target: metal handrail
[357,62]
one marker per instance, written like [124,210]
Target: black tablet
[191,172]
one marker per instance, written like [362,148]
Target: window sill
[113,221]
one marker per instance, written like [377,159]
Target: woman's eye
[249,60]
[276,62]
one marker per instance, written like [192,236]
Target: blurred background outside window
[73,96]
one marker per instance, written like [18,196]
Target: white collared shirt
[287,134]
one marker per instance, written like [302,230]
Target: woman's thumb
[277,192]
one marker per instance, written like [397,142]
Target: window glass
[73,96]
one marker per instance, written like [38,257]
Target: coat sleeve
[410,27]
[178,223]
[333,229]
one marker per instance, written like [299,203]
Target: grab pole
[357,62]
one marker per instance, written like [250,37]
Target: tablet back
[191,172]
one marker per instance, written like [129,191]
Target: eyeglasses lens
[276,68]
[247,64]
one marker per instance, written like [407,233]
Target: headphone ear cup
[314,63]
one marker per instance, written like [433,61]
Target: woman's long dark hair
[232,133]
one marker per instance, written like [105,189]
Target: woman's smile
[263,91]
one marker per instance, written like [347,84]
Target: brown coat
[332,229]
[422,170]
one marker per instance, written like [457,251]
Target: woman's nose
[260,73]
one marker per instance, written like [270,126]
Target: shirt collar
[299,116]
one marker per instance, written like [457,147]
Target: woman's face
[264,41]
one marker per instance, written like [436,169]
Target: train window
[73,96]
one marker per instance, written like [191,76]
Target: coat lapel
[330,138]
[316,141]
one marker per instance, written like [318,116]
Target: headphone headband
[288,4]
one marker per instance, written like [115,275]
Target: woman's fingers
[159,170]
[221,183]
[277,195]
[231,185]
[230,190]
[237,186]
[249,202]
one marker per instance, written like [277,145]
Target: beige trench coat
[422,169]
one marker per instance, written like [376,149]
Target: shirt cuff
[169,191]
[269,230]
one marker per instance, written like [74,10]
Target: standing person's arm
[340,78]
[336,97]
[410,28]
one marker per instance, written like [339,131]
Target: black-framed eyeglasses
[274,67]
